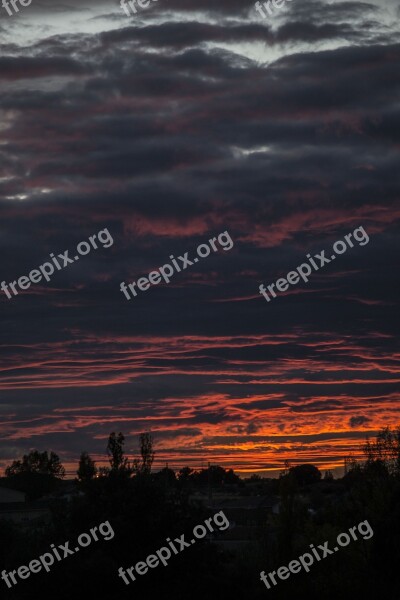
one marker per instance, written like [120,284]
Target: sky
[167,128]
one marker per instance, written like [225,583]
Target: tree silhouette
[305,474]
[87,468]
[384,452]
[143,465]
[115,450]
[37,462]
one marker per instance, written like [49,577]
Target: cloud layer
[169,128]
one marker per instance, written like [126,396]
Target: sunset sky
[169,127]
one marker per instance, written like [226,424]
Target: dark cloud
[30,67]
[168,131]
[357,421]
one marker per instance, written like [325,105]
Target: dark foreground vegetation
[145,508]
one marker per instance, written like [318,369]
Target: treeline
[146,508]
[39,473]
